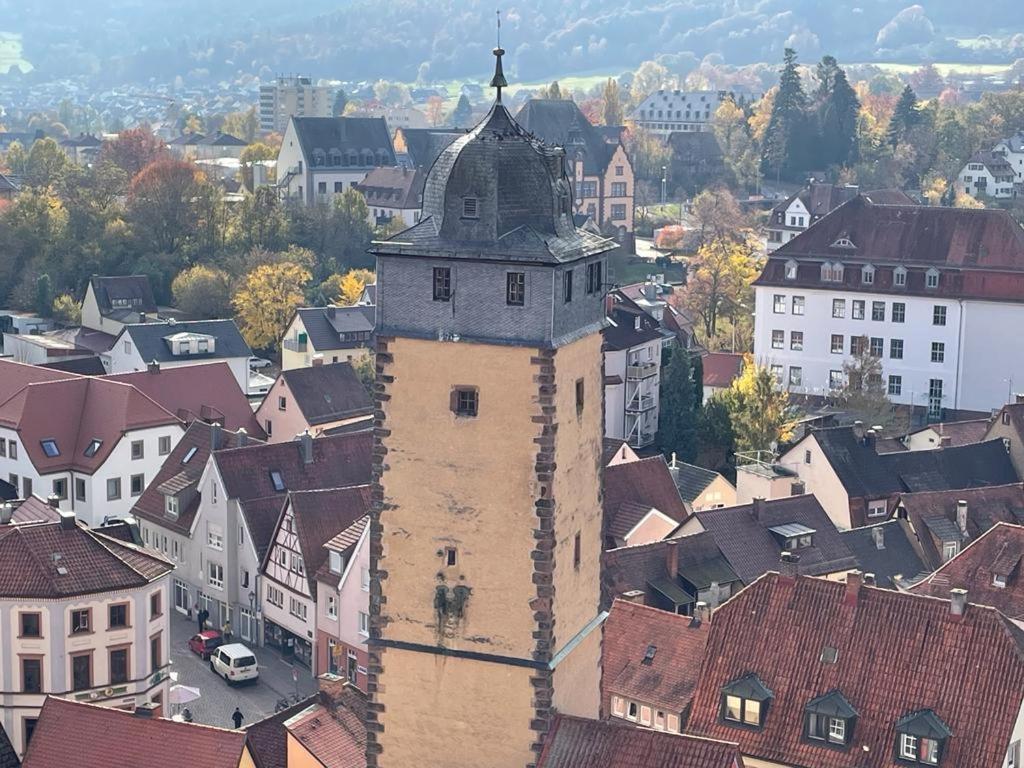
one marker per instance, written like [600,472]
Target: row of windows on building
[515,284]
[831,720]
[874,345]
[336,158]
[666,114]
[837,380]
[858,309]
[835,271]
[59,487]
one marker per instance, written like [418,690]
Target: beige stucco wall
[719,493]
[820,479]
[1006,432]
[654,527]
[298,756]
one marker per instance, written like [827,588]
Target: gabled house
[641,502]
[84,617]
[649,665]
[1012,150]
[988,174]
[753,536]
[321,157]
[112,302]
[989,570]
[670,575]
[343,605]
[1008,425]
[170,344]
[887,553]
[335,334]
[314,400]
[308,521]
[578,743]
[331,730]
[106,736]
[721,369]
[92,443]
[856,484]
[945,522]
[218,144]
[633,341]
[807,672]
[701,488]
[600,169]
[82,149]
[617,452]
[393,195]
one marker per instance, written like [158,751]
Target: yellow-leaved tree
[266,301]
[720,283]
[758,408]
[352,284]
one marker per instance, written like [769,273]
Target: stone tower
[486,528]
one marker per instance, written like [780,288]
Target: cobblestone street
[218,701]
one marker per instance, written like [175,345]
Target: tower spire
[498,81]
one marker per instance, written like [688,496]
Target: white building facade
[669,111]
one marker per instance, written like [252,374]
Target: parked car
[258,362]
[235,663]
[205,643]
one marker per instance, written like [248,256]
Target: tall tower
[486,527]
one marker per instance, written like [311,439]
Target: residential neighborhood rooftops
[53,560]
[332,327]
[888,550]
[952,433]
[123,297]
[651,656]
[629,326]
[151,339]
[632,488]
[399,188]
[994,162]
[327,393]
[578,743]
[752,536]
[333,728]
[800,638]
[34,510]
[106,736]
[691,480]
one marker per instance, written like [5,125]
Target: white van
[235,663]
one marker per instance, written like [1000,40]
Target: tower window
[442,284]
[576,548]
[567,285]
[450,556]
[469,208]
[594,277]
[465,401]
[515,289]
[579,397]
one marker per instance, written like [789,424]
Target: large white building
[294,96]
[928,288]
[1013,150]
[669,111]
[988,174]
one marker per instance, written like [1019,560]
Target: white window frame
[215,581]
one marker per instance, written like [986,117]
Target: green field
[944,68]
[11,54]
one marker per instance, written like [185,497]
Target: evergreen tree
[838,113]
[825,73]
[554,90]
[715,435]
[904,117]
[677,421]
[44,296]
[463,114]
[785,141]
[612,96]
[698,380]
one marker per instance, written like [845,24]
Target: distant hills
[116,41]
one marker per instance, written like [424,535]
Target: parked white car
[235,663]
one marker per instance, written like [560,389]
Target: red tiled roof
[34,510]
[89,562]
[342,543]
[74,412]
[90,736]
[577,743]
[996,553]
[979,253]
[897,653]
[205,392]
[961,432]
[720,368]
[14,376]
[632,488]
[667,680]
[268,739]
[334,730]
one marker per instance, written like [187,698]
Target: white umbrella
[183,694]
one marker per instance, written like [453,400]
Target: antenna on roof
[498,12]
[498,81]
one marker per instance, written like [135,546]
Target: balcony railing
[641,404]
[641,370]
[295,346]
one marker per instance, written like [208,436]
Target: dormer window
[931,278]
[867,275]
[50,448]
[832,272]
[793,536]
[171,506]
[791,269]
[899,276]
[921,737]
[830,718]
[998,580]
[843,242]
[745,701]
[469,208]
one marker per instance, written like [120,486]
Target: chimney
[757,507]
[67,521]
[53,500]
[878,536]
[635,596]
[215,437]
[318,360]
[243,437]
[146,710]
[961,516]
[858,428]
[6,513]
[714,595]
[1018,398]
[869,579]
[142,317]
[306,447]
[945,441]
[789,567]
[672,558]
[702,611]
[869,438]
[957,601]
[854,580]
[153,367]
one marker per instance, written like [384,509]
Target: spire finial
[498,81]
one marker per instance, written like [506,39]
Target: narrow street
[218,701]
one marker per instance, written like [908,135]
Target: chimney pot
[1019,397]
[672,558]
[215,436]
[702,611]
[635,596]
[957,601]
[53,500]
[243,437]
[869,438]
[789,566]
[869,579]
[306,447]
[153,367]
[961,516]
[317,360]
[6,513]
[854,580]
[67,521]
[878,536]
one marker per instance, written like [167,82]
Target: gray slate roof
[691,480]
[886,550]
[149,340]
[560,122]
[219,139]
[327,393]
[134,288]
[338,136]
[865,473]
[424,145]
[325,326]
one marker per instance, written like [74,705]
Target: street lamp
[664,184]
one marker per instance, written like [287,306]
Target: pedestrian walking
[225,631]
[203,616]
[237,717]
